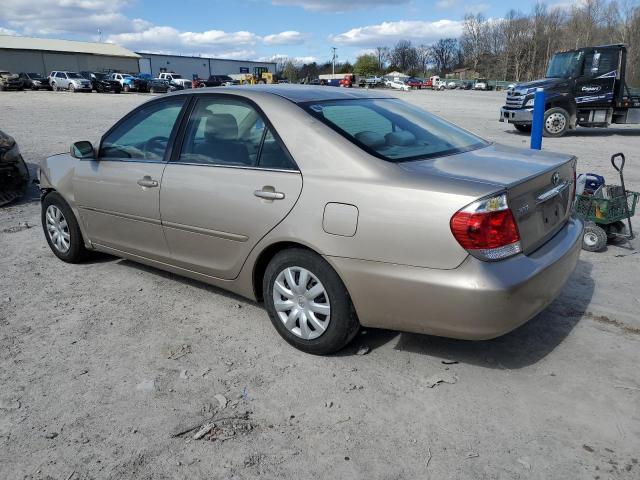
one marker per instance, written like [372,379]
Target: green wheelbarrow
[604,216]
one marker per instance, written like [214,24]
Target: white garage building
[42,55]
[201,67]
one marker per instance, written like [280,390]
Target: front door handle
[269,193]
[147,181]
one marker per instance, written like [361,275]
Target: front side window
[145,134]
[229,132]
[393,130]
[565,65]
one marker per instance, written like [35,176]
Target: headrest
[400,138]
[220,126]
[370,139]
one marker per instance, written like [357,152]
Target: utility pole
[333,60]
[99,35]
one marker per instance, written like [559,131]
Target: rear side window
[230,132]
[393,130]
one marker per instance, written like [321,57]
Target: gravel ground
[102,363]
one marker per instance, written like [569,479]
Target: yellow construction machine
[260,75]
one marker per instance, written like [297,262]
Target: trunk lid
[539,185]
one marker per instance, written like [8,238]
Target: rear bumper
[478,300]
[522,116]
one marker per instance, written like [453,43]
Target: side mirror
[82,150]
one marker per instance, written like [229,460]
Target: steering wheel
[155,147]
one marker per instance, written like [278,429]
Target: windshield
[175,76]
[564,65]
[34,76]
[73,75]
[100,76]
[392,129]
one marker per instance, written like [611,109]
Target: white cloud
[171,40]
[6,31]
[388,33]
[290,37]
[447,3]
[54,17]
[281,58]
[83,18]
[338,5]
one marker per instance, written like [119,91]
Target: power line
[333,60]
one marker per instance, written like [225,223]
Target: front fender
[56,173]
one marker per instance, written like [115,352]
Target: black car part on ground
[14,174]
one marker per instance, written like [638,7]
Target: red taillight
[487,229]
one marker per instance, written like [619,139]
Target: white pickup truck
[174,77]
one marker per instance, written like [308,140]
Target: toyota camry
[336,208]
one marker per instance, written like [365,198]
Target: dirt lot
[101,363]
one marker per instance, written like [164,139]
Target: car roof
[301,93]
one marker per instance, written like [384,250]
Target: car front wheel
[556,122]
[61,229]
[307,302]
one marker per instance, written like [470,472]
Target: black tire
[522,128]
[559,124]
[594,238]
[77,251]
[343,322]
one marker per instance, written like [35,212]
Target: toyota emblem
[555,178]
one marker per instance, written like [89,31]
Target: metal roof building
[190,67]
[41,55]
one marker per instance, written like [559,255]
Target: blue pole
[538,119]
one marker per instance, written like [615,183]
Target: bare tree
[382,53]
[424,58]
[445,54]
[404,56]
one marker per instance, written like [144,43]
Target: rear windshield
[392,129]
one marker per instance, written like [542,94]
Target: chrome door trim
[206,231]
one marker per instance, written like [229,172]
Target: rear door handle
[269,193]
[147,181]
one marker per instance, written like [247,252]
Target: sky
[304,30]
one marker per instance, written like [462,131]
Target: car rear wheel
[307,302]
[61,229]
[594,238]
[556,122]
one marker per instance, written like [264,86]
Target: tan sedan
[336,208]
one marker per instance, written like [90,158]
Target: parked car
[284,81]
[466,85]
[452,85]
[101,83]
[397,85]
[130,83]
[14,174]
[415,82]
[154,85]
[10,81]
[72,81]
[481,84]
[214,81]
[175,78]
[34,81]
[411,223]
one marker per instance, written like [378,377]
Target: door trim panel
[128,216]
[206,231]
